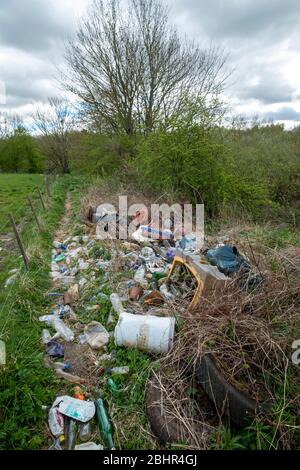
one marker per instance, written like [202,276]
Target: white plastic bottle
[46,336]
[116,303]
[63,330]
[119,370]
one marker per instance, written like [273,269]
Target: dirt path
[62,232]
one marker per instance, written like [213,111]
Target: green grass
[24,383]
[14,190]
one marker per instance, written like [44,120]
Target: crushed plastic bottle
[118,370]
[46,337]
[63,330]
[140,275]
[59,258]
[69,377]
[116,303]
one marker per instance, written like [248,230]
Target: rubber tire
[226,397]
[165,429]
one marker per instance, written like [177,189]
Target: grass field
[14,189]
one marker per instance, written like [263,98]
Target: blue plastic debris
[227,259]
[55,349]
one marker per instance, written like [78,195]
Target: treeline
[149,110]
[19,151]
[253,170]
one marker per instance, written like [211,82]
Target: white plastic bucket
[146,333]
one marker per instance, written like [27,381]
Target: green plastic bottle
[104,424]
[113,387]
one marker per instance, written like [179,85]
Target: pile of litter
[84,273]
[145,286]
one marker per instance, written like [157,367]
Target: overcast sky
[262,38]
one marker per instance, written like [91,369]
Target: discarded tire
[167,425]
[166,429]
[226,397]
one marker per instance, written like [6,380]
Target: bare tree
[131,69]
[55,125]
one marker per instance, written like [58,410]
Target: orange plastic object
[178,260]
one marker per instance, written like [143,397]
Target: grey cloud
[283,114]
[269,89]
[252,32]
[242,18]
[31,25]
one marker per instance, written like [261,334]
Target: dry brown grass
[250,337]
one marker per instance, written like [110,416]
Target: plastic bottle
[116,303]
[104,424]
[63,330]
[118,370]
[140,274]
[46,336]
[85,432]
[70,433]
[2,353]
[69,377]
[113,387]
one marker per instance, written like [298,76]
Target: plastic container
[146,333]
[2,353]
[116,303]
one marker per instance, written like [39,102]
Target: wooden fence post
[42,199]
[47,185]
[35,214]
[13,224]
